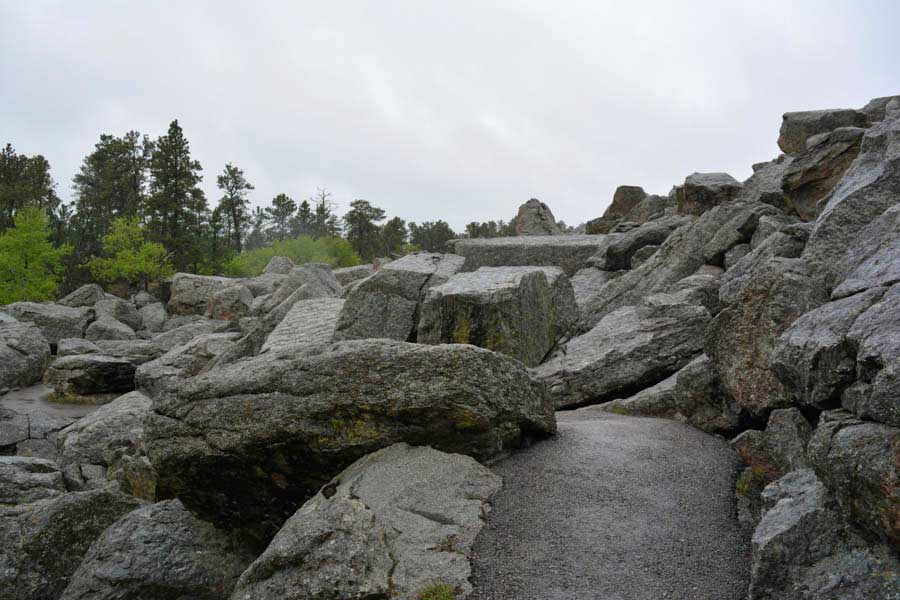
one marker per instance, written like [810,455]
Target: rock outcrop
[24,354]
[568,252]
[89,378]
[535,218]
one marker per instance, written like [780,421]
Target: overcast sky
[456,110]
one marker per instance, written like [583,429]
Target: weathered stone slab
[797,127]
[568,252]
[308,322]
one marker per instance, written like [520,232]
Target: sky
[440,110]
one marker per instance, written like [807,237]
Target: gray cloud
[458,110]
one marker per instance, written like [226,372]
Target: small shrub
[336,252]
[438,591]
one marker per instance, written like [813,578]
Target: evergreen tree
[302,222]
[489,229]
[325,222]
[30,266]
[176,209]
[24,181]
[393,236]
[234,203]
[431,236]
[257,237]
[280,214]
[361,229]
[130,257]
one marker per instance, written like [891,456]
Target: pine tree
[279,214]
[393,236]
[325,223]
[361,229]
[302,222]
[234,203]
[24,181]
[257,238]
[431,235]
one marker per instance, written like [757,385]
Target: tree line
[138,214]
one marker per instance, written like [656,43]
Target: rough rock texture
[860,463]
[191,293]
[109,329]
[109,445]
[158,551]
[869,187]
[535,218]
[797,127]
[45,541]
[655,401]
[815,172]
[517,311]
[308,322]
[701,399]
[702,191]
[181,362]
[741,338]
[55,322]
[230,304]
[587,282]
[90,378]
[393,524]
[617,254]
[347,275]
[765,184]
[876,109]
[31,431]
[568,252]
[873,259]
[27,479]
[153,316]
[86,295]
[309,280]
[71,346]
[119,310]
[625,200]
[280,265]
[137,352]
[242,444]
[184,334]
[386,305]
[628,350]
[24,354]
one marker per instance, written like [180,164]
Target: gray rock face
[701,399]
[24,354]
[142,299]
[109,445]
[242,444]
[230,304]
[71,346]
[655,401]
[741,338]
[858,462]
[308,322]
[181,362]
[184,334]
[788,243]
[394,523]
[55,322]
[517,311]
[118,310]
[624,203]
[386,305]
[568,252]
[109,329]
[26,479]
[190,294]
[90,378]
[587,282]
[876,108]
[31,431]
[536,218]
[280,265]
[153,316]
[45,541]
[765,184]
[869,187]
[813,359]
[310,280]
[348,275]
[86,295]
[617,254]
[787,435]
[797,127]
[137,352]
[874,258]
[817,169]
[703,191]
[629,349]
[158,551]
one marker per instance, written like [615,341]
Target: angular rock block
[517,311]
[24,354]
[182,362]
[86,295]
[535,218]
[119,310]
[89,378]
[703,191]
[28,479]
[308,322]
[190,294]
[230,304]
[568,252]
[797,127]
[56,322]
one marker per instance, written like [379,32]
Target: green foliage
[29,264]
[438,591]
[324,222]
[234,203]
[393,237]
[361,229]
[130,256]
[280,214]
[336,252]
[24,181]
[431,236]
[490,229]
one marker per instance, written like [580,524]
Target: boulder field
[390,430]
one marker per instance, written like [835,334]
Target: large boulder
[118,310]
[242,444]
[655,401]
[568,252]
[873,259]
[518,311]
[617,254]
[55,322]
[860,463]
[742,336]
[587,282]
[230,304]
[24,354]
[86,295]
[877,108]
[535,218]
[394,524]
[137,352]
[703,191]
[309,280]
[185,333]
[279,265]
[190,294]
[700,398]
[45,541]
[153,316]
[28,479]
[108,444]
[158,551]
[308,322]
[816,171]
[797,127]
[625,199]
[386,305]
[765,184]
[31,429]
[109,329]
[89,378]
[183,361]
[629,349]
[347,275]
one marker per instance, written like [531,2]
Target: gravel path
[615,508]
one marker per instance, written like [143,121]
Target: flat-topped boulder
[308,322]
[185,360]
[24,354]
[518,311]
[28,479]
[243,444]
[56,322]
[568,252]
[190,294]
[386,305]
[89,378]
[617,254]
[230,304]
[702,191]
[87,295]
[348,275]
[797,127]
[107,328]
[120,310]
